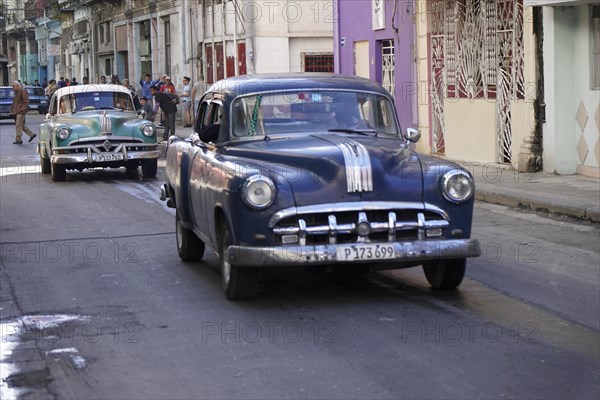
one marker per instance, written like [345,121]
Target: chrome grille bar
[332,229]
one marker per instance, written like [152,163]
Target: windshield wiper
[359,132]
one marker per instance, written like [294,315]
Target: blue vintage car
[7,94]
[91,126]
[38,101]
[301,169]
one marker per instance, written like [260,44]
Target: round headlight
[148,130]
[258,192]
[457,186]
[63,133]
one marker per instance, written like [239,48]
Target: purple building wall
[353,23]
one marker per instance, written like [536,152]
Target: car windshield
[7,92]
[87,101]
[312,111]
[39,92]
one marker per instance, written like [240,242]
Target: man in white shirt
[186,102]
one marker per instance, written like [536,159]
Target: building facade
[477,81]
[571,72]
[375,39]
[249,36]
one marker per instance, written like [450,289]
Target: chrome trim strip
[409,251]
[95,148]
[359,173]
[105,123]
[102,138]
[330,208]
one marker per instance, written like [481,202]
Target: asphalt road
[95,303]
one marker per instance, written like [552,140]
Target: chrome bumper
[77,158]
[404,252]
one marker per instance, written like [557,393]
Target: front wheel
[189,246]
[59,173]
[149,168]
[237,282]
[445,274]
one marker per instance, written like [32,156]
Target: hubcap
[178,233]
[226,269]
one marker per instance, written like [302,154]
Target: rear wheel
[189,246]
[45,163]
[149,168]
[445,274]
[237,282]
[59,172]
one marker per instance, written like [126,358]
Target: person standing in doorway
[19,108]
[186,102]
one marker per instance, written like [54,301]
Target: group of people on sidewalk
[163,95]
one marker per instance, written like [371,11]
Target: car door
[205,172]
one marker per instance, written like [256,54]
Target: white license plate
[108,157]
[33,106]
[367,251]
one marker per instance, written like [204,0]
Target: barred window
[318,62]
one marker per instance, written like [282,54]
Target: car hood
[88,124]
[322,168]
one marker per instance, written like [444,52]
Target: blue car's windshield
[87,101]
[7,92]
[312,111]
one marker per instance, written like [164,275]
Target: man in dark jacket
[19,108]
[168,106]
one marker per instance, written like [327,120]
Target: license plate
[108,157]
[33,106]
[368,251]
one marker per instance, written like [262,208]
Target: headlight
[457,186]
[63,133]
[148,130]
[258,192]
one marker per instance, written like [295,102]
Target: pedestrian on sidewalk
[186,102]
[19,108]
[169,108]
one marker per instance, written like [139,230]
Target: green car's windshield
[312,111]
[88,101]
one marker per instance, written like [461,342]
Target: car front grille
[107,146]
[377,226]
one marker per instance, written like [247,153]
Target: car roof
[91,88]
[246,84]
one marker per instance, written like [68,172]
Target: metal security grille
[322,62]
[387,66]
[476,53]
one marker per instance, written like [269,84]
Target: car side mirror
[412,135]
[48,116]
[142,114]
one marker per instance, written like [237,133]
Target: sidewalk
[572,195]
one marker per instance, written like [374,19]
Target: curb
[588,213]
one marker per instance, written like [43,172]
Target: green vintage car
[90,126]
